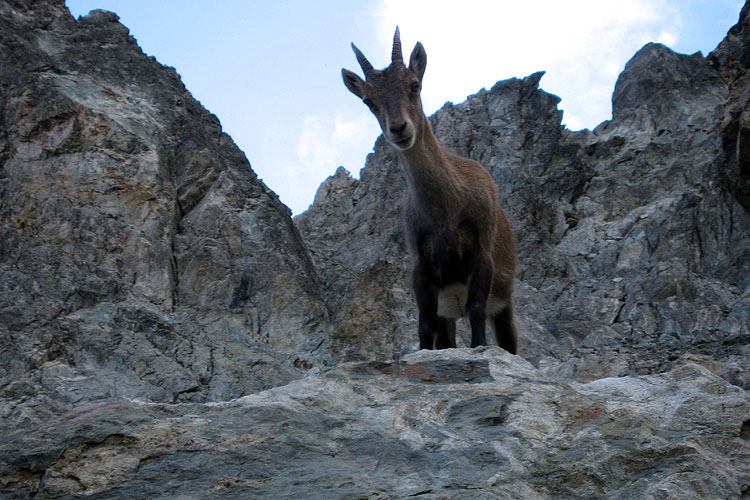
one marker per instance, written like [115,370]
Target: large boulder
[479,424]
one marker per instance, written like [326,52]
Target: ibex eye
[415,87]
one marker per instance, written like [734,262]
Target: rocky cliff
[139,254]
[167,330]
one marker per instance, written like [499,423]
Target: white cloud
[313,148]
[320,142]
[583,45]
[322,146]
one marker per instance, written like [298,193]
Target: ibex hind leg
[506,331]
[446,337]
[476,301]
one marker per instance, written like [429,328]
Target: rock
[353,231]
[732,59]
[140,256]
[454,424]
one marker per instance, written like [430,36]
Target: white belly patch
[452,302]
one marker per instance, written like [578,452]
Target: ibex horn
[396,55]
[362,60]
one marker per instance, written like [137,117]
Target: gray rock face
[732,59]
[139,254]
[167,330]
[353,231]
[478,424]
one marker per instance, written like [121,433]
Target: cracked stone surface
[479,424]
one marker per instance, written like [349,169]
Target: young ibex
[460,241]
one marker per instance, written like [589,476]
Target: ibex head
[392,94]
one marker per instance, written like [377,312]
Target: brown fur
[458,235]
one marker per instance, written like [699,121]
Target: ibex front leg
[446,337]
[476,300]
[426,293]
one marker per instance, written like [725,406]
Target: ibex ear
[418,60]
[353,82]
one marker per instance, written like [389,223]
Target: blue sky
[270,70]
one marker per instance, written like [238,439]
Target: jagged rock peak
[657,76]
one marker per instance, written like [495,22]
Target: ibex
[460,241]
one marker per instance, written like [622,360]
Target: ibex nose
[397,127]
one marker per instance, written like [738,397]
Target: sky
[271,70]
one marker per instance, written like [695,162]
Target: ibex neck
[431,178]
